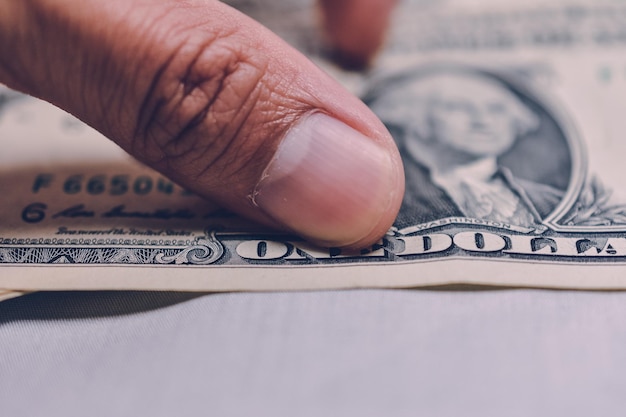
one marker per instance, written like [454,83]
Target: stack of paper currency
[509,117]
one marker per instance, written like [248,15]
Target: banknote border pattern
[203,250]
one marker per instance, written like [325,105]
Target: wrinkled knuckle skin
[196,112]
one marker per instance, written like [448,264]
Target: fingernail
[330,183]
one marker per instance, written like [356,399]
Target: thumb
[356,28]
[216,102]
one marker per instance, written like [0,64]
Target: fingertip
[331,184]
[356,29]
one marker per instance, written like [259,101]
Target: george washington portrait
[472,146]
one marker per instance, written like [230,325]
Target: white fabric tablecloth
[345,353]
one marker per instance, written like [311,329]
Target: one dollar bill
[511,133]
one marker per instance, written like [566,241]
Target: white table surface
[346,353]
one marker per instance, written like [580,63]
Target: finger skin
[192,88]
[356,28]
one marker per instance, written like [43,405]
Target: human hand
[219,104]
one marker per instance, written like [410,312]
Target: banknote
[6,295]
[508,116]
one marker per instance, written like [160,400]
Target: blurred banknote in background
[509,120]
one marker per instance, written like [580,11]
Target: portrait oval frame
[528,94]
